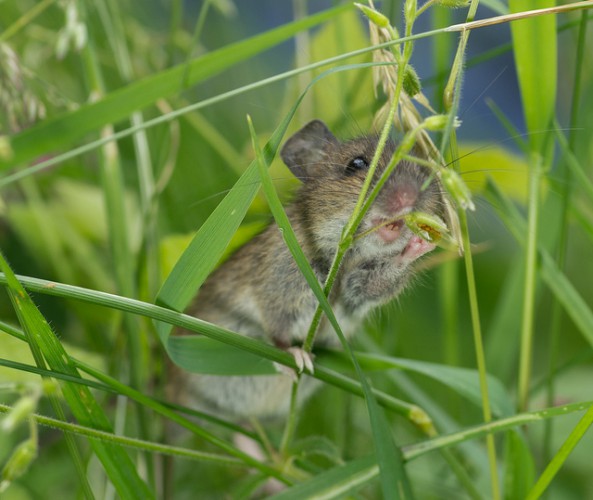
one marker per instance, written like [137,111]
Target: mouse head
[333,173]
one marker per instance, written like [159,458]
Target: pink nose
[404,197]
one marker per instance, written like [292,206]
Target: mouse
[260,291]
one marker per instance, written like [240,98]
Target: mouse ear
[306,148]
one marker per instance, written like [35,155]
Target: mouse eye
[355,165]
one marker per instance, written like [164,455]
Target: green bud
[429,227]
[374,16]
[412,85]
[19,412]
[410,11]
[437,123]
[457,189]
[18,463]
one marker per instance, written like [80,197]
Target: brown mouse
[260,291]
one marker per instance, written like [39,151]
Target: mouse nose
[403,198]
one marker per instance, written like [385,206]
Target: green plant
[109,161]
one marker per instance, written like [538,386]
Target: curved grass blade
[463,381]
[213,237]
[394,480]
[61,131]
[47,348]
[158,313]
[519,466]
[334,483]
[554,466]
[564,291]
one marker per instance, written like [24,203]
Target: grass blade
[564,291]
[535,49]
[394,480]
[334,483]
[213,237]
[520,469]
[87,411]
[57,133]
[554,466]
[464,381]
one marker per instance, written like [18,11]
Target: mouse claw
[302,358]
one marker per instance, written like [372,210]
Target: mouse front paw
[303,360]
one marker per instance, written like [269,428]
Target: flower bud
[19,412]
[410,11]
[374,16]
[411,81]
[457,189]
[18,463]
[429,227]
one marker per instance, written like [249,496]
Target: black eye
[355,165]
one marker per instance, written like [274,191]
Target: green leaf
[57,133]
[204,355]
[519,466]
[564,291]
[563,453]
[464,381]
[46,348]
[334,483]
[214,236]
[535,49]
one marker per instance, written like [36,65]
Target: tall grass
[128,170]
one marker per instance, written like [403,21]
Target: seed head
[457,189]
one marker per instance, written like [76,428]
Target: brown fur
[260,291]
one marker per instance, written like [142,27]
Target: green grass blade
[416,450]
[207,329]
[213,237]
[464,381]
[87,411]
[519,466]
[128,442]
[62,131]
[394,480]
[564,291]
[554,466]
[575,306]
[535,49]
[334,483]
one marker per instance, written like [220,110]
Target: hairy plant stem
[451,99]
[415,450]
[193,324]
[81,430]
[361,207]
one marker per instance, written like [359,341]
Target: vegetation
[134,141]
